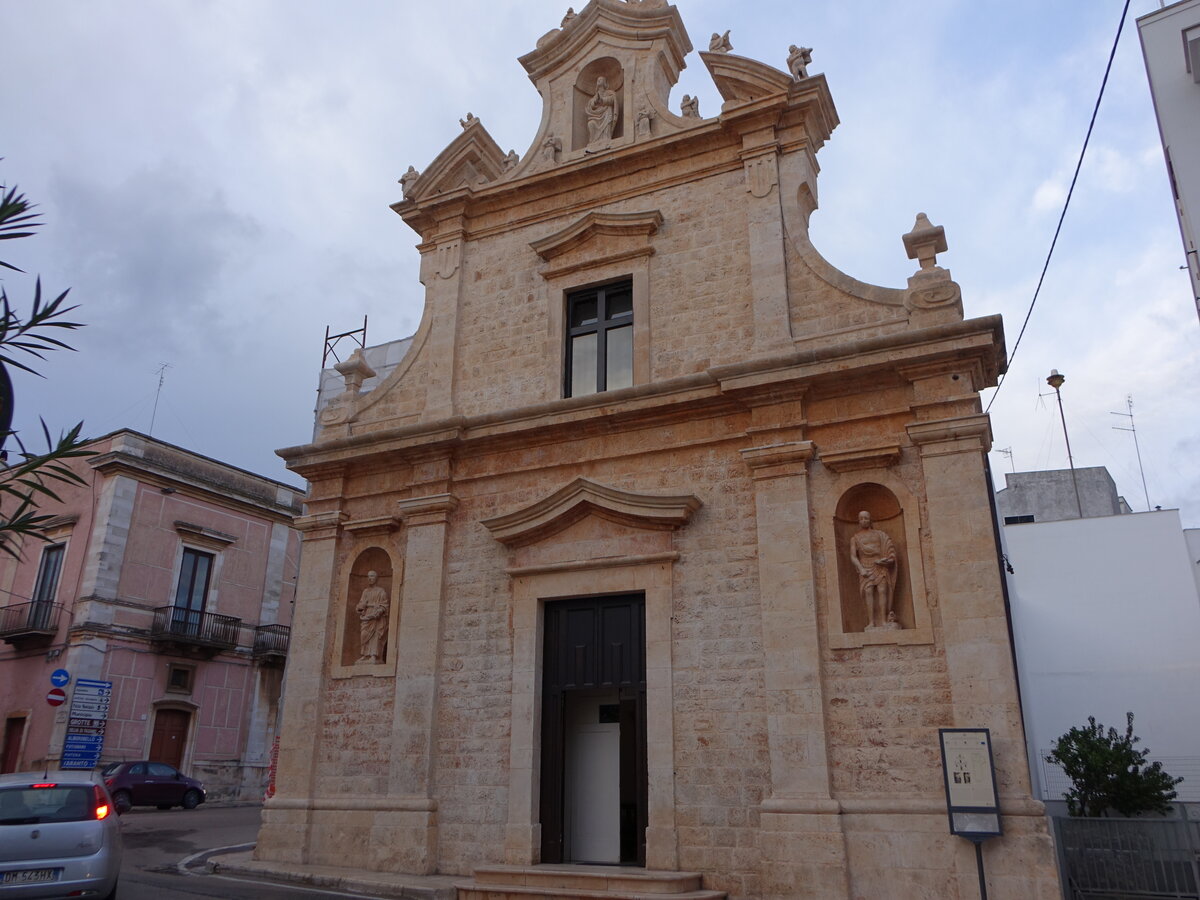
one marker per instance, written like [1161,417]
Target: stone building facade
[612,491]
[168,576]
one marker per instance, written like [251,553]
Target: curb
[238,861]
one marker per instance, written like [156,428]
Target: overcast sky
[215,176]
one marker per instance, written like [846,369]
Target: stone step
[581,882]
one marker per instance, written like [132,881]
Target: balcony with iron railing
[179,629]
[271,643]
[29,623]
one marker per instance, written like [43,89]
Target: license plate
[30,876]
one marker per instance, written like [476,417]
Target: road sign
[56,697]
[60,678]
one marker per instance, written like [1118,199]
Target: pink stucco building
[171,577]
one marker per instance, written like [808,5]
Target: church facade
[664,544]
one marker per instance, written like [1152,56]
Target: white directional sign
[85,725]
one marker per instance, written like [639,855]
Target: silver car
[59,836]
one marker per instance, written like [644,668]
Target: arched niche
[377,560]
[887,516]
[586,86]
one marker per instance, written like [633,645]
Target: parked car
[145,783]
[59,836]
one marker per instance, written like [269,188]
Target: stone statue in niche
[690,107]
[874,558]
[372,612]
[601,112]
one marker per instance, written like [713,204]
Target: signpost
[85,725]
[56,697]
[60,678]
[971,799]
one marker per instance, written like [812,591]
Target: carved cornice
[375,525]
[776,460]
[317,526]
[741,79]
[959,435]
[861,458]
[208,537]
[583,497]
[638,224]
[434,509]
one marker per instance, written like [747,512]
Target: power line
[1066,204]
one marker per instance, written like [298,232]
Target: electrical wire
[1066,203]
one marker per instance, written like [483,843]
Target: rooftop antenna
[1132,429]
[1055,380]
[162,375]
[1008,454]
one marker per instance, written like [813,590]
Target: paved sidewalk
[382,884]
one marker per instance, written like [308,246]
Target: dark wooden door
[170,735]
[591,644]
[14,730]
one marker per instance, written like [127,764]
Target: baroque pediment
[582,231]
[583,497]
[742,80]
[470,161]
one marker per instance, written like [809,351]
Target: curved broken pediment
[469,161]
[583,497]
[741,80]
[580,232]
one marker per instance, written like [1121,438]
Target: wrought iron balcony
[188,628]
[271,642]
[28,623]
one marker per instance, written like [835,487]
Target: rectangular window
[179,678]
[1017,520]
[46,588]
[599,339]
[191,592]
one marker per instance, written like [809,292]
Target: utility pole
[1055,380]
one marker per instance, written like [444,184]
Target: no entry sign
[56,697]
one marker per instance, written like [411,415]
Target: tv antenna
[1008,454]
[1133,430]
[162,376]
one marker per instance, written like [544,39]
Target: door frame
[627,679]
[191,711]
[650,575]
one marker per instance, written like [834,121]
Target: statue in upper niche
[798,61]
[602,112]
[690,107]
[719,43]
[372,612]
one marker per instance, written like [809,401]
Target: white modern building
[1106,620]
[1171,46]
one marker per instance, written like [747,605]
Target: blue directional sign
[60,678]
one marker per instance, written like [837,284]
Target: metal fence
[1130,859]
[1055,783]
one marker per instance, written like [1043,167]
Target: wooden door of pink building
[170,735]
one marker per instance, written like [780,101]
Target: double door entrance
[593,797]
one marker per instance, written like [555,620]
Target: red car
[145,783]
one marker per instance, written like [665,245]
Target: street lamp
[1055,380]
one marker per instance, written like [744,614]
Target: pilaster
[803,844]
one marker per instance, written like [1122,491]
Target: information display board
[88,717]
[970,776]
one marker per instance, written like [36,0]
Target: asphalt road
[157,841]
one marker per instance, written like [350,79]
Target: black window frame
[603,324]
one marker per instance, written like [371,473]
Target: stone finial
[925,242]
[569,17]
[407,180]
[689,107]
[510,161]
[355,370]
[930,287]
[468,121]
[719,43]
[798,61]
